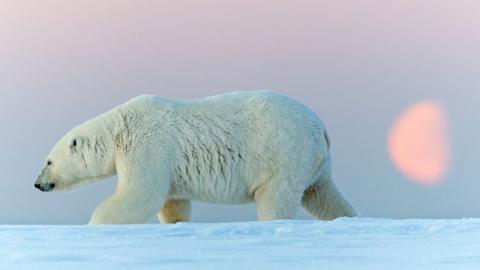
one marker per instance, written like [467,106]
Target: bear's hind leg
[325,202]
[175,211]
[275,203]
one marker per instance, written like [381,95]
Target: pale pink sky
[357,63]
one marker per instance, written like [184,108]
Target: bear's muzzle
[45,187]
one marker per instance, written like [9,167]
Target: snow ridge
[346,243]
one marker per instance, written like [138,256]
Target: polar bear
[235,148]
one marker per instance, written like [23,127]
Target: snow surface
[347,243]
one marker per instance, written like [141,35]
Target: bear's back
[255,107]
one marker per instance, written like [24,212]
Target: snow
[347,243]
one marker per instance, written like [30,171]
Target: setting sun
[419,144]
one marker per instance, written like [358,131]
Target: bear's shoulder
[144,101]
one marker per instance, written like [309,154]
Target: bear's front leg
[134,202]
[124,208]
[143,185]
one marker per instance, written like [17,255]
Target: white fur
[234,148]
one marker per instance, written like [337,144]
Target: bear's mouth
[45,187]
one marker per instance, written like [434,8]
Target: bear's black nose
[46,187]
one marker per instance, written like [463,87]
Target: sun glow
[419,144]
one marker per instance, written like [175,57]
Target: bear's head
[77,159]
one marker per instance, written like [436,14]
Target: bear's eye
[74,143]
[49,163]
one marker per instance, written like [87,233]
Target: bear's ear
[75,144]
